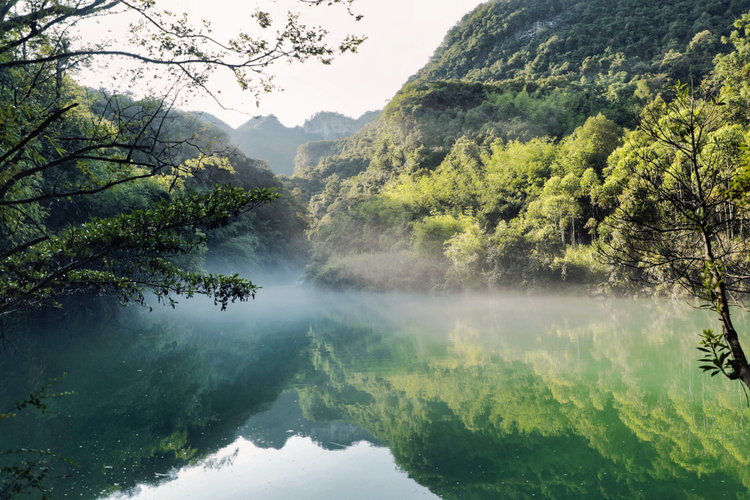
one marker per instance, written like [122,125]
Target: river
[303,394]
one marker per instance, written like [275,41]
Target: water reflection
[474,397]
[601,403]
[298,470]
[311,460]
[154,392]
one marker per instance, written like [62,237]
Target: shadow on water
[475,396]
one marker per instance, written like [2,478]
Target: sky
[402,35]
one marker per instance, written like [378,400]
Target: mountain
[531,40]
[215,121]
[265,137]
[482,170]
[334,125]
[566,59]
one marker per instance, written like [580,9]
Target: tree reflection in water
[476,397]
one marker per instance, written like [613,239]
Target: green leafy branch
[716,354]
[129,253]
[711,279]
[37,399]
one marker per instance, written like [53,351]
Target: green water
[309,395]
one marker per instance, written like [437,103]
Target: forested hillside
[503,163]
[502,40]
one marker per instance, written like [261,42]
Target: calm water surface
[327,396]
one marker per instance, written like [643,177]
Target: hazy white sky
[402,35]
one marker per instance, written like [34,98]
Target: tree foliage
[68,153]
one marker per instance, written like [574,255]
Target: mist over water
[346,395]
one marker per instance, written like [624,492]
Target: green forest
[547,145]
[503,163]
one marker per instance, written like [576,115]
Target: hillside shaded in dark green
[268,237]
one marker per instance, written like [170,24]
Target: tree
[60,142]
[676,216]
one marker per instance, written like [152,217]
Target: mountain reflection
[272,429]
[476,397]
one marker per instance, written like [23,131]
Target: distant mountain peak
[266,138]
[263,122]
[331,125]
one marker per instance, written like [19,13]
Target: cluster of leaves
[716,354]
[129,252]
[64,229]
[170,44]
